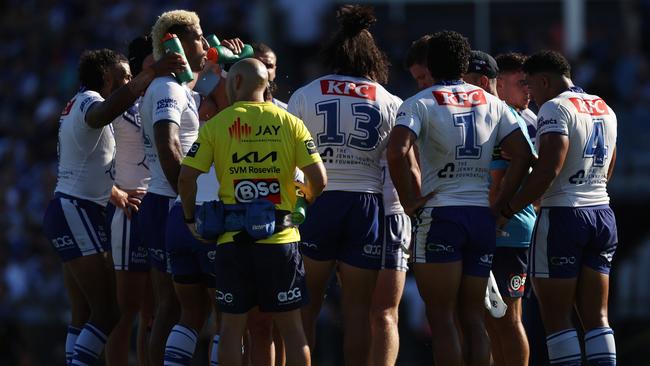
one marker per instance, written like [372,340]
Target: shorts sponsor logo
[238,130]
[372,250]
[460,99]
[309,245]
[211,255]
[594,107]
[348,89]
[62,242]
[225,297]
[248,190]
[486,259]
[608,256]
[290,296]
[517,282]
[167,103]
[157,254]
[311,147]
[194,149]
[440,248]
[267,130]
[68,107]
[562,261]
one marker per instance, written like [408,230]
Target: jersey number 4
[367,121]
[595,147]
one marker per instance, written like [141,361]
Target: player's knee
[383,318]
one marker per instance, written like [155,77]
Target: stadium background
[607,42]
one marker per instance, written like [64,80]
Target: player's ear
[485,82]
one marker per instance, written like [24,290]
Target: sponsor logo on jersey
[68,107]
[311,147]
[194,149]
[460,99]
[594,107]
[254,157]
[167,103]
[541,122]
[578,178]
[348,89]
[238,130]
[248,190]
[447,171]
[292,295]
[267,131]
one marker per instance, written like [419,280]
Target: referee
[255,148]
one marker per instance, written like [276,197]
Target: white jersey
[166,99]
[350,119]
[457,126]
[392,206]
[131,171]
[85,153]
[590,126]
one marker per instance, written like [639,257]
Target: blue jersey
[519,230]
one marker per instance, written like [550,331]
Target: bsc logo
[291,295]
[62,242]
[251,189]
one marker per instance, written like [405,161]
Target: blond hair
[167,20]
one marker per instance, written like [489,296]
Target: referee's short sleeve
[201,153]
[306,150]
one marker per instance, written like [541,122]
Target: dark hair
[139,49]
[547,61]
[417,53]
[352,50]
[448,55]
[510,62]
[93,64]
[260,48]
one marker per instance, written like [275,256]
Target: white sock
[180,346]
[70,340]
[214,354]
[89,346]
[600,347]
[564,348]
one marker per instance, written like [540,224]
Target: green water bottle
[223,54]
[173,44]
[300,211]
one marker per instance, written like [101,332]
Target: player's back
[457,126]
[590,125]
[85,153]
[350,119]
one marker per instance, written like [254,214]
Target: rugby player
[255,148]
[456,126]
[575,236]
[416,62]
[350,114]
[74,220]
[507,334]
[266,54]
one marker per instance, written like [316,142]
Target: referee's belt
[259,219]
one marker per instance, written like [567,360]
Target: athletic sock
[70,340]
[89,345]
[214,353]
[600,347]
[180,346]
[564,348]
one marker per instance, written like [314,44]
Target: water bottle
[300,211]
[172,44]
[223,54]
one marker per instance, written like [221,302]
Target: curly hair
[547,61]
[352,50]
[175,21]
[417,53]
[94,63]
[510,62]
[448,55]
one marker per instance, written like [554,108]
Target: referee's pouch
[257,218]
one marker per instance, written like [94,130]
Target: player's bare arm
[102,113]
[515,146]
[610,171]
[315,181]
[170,151]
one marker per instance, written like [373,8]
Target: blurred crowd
[42,41]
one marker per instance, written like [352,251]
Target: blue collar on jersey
[450,82]
[576,89]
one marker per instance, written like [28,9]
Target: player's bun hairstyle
[139,49]
[417,53]
[176,22]
[547,61]
[448,55]
[510,62]
[352,50]
[94,63]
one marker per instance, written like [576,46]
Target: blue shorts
[456,233]
[154,210]
[271,276]
[192,261]
[129,252]
[397,241]
[567,238]
[75,227]
[510,268]
[344,226]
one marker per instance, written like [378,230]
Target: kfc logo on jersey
[348,89]
[460,99]
[248,190]
[238,130]
[594,107]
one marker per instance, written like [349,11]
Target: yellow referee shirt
[255,148]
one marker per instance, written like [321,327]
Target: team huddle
[178,200]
